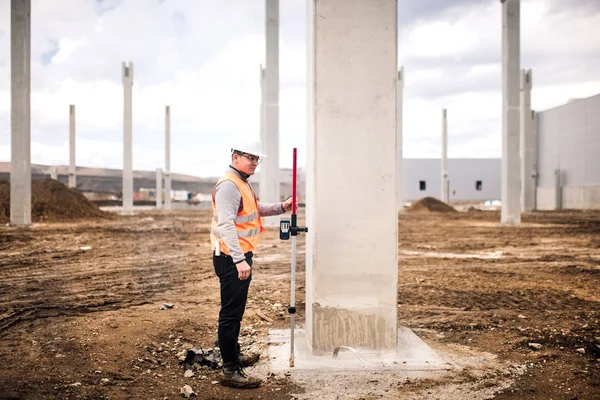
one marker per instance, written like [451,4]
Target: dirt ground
[80,314]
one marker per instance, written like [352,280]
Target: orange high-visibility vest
[247,222]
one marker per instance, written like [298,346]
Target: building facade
[568,156]
[470,179]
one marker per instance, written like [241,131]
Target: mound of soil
[430,205]
[51,201]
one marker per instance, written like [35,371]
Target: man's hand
[287,205]
[244,270]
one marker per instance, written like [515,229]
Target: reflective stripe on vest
[241,219]
[241,234]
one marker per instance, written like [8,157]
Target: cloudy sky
[202,57]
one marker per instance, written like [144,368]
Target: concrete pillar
[72,167]
[269,191]
[527,144]
[127,75]
[511,163]
[53,173]
[167,157]
[534,124]
[20,67]
[445,187]
[159,188]
[262,180]
[399,142]
[558,189]
[351,250]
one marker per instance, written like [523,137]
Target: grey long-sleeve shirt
[228,200]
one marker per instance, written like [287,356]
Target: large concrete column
[262,181]
[527,144]
[54,173]
[399,142]
[269,191]
[72,167]
[20,68]
[351,251]
[127,75]
[511,163]
[445,187]
[167,157]
[159,188]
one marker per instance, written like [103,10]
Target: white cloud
[67,47]
[454,63]
[203,57]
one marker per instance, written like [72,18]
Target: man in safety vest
[234,234]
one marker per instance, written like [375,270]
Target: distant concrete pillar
[511,163]
[527,144]
[53,173]
[72,167]
[270,192]
[167,157]
[399,142]
[445,187]
[558,189]
[351,255]
[159,188]
[127,75]
[20,67]
[262,180]
[534,124]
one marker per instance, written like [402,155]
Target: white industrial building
[567,167]
[568,156]
[469,179]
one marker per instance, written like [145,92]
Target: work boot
[248,360]
[235,377]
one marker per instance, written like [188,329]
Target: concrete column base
[411,354]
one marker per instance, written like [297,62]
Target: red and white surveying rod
[285,231]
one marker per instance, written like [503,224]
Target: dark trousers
[234,293]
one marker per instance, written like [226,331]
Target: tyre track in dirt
[542,288]
[502,284]
[539,284]
[99,270]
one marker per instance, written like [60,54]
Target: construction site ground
[81,317]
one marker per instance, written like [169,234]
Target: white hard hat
[253,147]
